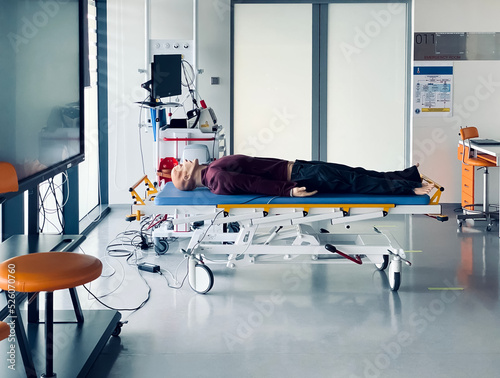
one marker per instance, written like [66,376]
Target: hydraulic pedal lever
[356,259]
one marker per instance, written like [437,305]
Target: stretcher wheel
[202,279]
[394,276]
[161,246]
[118,328]
[383,266]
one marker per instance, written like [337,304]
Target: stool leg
[22,339]
[33,313]
[76,305]
[486,205]
[49,335]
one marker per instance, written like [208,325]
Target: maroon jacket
[240,174]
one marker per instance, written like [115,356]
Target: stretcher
[242,230]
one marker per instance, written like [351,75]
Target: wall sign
[432,93]
[456,46]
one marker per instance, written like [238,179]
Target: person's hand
[302,192]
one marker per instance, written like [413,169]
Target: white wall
[213,55]
[126,52]
[476,95]
[171,19]
[213,49]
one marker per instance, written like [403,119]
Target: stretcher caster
[118,328]
[383,265]
[161,246]
[201,278]
[395,275]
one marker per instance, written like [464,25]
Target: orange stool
[4,330]
[468,159]
[46,271]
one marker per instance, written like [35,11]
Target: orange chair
[8,178]
[469,159]
[46,272]
[4,330]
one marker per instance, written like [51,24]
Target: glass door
[367,84]
[272,80]
[327,80]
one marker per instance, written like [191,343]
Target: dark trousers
[337,178]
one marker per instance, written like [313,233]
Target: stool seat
[48,271]
[4,330]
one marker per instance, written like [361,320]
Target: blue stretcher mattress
[170,195]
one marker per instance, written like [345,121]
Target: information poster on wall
[433,89]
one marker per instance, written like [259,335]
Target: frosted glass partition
[367,84]
[272,80]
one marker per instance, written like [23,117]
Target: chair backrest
[468,132]
[8,178]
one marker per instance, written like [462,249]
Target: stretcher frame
[283,233]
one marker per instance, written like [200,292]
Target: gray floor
[311,320]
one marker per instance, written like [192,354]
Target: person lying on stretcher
[240,174]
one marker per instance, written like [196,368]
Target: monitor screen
[41,87]
[166,76]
